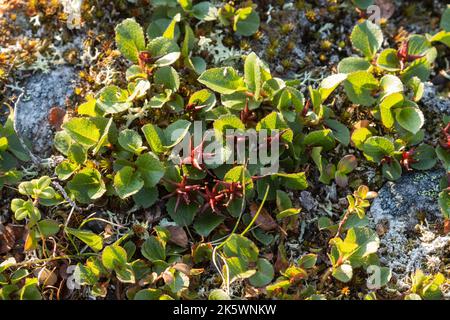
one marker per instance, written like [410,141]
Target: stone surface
[412,193]
[406,243]
[433,101]
[42,92]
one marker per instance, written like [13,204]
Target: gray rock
[406,243]
[42,92]
[432,101]
[413,192]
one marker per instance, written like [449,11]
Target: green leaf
[131,141]
[307,261]
[155,138]
[246,21]
[367,38]
[201,10]
[392,170]
[392,101]
[323,138]
[176,131]
[94,241]
[48,227]
[359,136]
[287,213]
[113,99]
[157,28]
[388,60]
[390,84]
[353,64]
[411,119]
[130,39]
[347,164]
[445,19]
[185,213]
[296,181]
[203,97]
[340,131]
[283,201]
[127,182]
[375,148]
[166,51]
[114,257]
[264,273]
[218,294]
[146,197]
[241,247]
[419,68]
[425,157]
[154,249]
[150,169]
[167,77]
[83,131]
[252,71]
[343,273]
[170,31]
[359,87]
[223,80]
[148,294]
[206,223]
[444,203]
[87,185]
[227,122]
[330,83]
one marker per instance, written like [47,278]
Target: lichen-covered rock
[433,101]
[406,241]
[412,193]
[43,91]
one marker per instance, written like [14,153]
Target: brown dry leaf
[361,124]
[182,267]
[264,219]
[178,236]
[167,277]
[46,277]
[7,239]
[447,226]
[282,262]
[56,117]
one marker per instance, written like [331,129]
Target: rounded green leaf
[246,21]
[392,170]
[168,78]
[367,38]
[130,39]
[388,60]
[353,64]
[359,87]
[154,249]
[127,182]
[411,119]
[343,273]
[264,273]
[83,131]
[130,140]
[87,185]
[114,257]
[150,169]
[375,148]
[222,80]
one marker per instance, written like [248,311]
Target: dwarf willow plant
[12,153]
[117,154]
